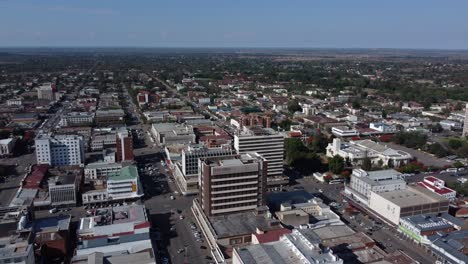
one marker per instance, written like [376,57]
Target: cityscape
[234,153]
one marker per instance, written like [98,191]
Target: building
[465,124]
[16,248]
[46,92]
[173,133]
[124,185]
[362,183]
[437,186]
[450,247]
[110,117]
[6,147]
[270,145]
[187,170]
[344,131]
[451,125]
[383,127]
[77,119]
[15,101]
[114,231]
[414,200]
[98,172]
[64,186]
[124,143]
[290,249]
[357,151]
[232,184]
[103,140]
[52,238]
[59,150]
[420,227]
[223,233]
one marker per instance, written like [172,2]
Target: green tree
[318,144]
[336,164]
[438,150]
[455,144]
[293,106]
[457,164]
[366,164]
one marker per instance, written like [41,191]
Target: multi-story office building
[110,117]
[16,248]
[232,184]
[77,119]
[6,147]
[362,183]
[172,133]
[59,150]
[63,188]
[46,92]
[269,144]
[124,143]
[102,141]
[99,171]
[187,170]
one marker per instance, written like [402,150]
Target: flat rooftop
[412,196]
[241,223]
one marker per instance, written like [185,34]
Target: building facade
[124,143]
[232,184]
[59,150]
[270,145]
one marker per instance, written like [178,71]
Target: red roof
[272,235]
[431,179]
[441,191]
[33,181]
[462,212]
[295,134]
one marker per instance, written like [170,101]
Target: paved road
[423,157]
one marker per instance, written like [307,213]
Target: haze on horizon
[427,24]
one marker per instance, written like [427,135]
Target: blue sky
[439,24]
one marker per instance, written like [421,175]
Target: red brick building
[124,142]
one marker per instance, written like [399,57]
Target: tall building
[232,184]
[124,144]
[187,170]
[270,145]
[46,92]
[59,150]
[465,125]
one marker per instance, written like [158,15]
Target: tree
[454,144]
[438,150]
[318,144]
[4,134]
[356,104]
[366,164]
[293,106]
[336,164]
[457,164]
[437,128]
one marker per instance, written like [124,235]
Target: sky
[426,24]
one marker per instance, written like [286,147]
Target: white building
[291,248]
[362,183]
[187,170]
[77,119]
[437,186]
[46,92]
[120,185]
[414,200]
[173,133]
[14,101]
[357,151]
[383,128]
[6,147]
[343,131]
[269,144]
[59,150]
[99,171]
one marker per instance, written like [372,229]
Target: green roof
[126,173]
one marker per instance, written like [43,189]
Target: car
[181,217]
[180,250]
[53,210]
[172,197]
